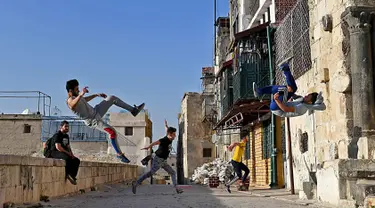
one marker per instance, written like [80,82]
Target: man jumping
[283,106]
[237,163]
[160,160]
[92,116]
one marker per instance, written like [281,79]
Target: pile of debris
[216,168]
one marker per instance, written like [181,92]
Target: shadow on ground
[160,196]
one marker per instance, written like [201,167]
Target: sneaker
[179,190]
[123,158]
[137,109]
[283,65]
[255,90]
[71,180]
[228,188]
[134,187]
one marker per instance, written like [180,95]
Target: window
[207,152]
[128,131]
[26,129]
[172,164]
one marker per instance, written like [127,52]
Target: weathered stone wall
[329,131]
[93,147]
[26,179]
[196,134]
[13,140]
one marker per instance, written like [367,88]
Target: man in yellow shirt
[237,162]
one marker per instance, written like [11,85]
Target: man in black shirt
[61,150]
[160,159]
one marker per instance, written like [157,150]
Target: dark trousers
[238,168]
[72,164]
[277,88]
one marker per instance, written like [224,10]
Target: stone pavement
[158,196]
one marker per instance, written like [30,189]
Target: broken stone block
[366,147]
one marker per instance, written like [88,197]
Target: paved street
[158,196]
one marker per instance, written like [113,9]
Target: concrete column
[359,20]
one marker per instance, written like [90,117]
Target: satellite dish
[26,112]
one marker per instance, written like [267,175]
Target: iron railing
[292,39]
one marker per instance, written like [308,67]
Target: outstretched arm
[166,125]
[233,145]
[90,97]
[151,145]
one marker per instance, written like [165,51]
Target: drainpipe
[273,129]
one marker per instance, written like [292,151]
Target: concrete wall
[197,135]
[13,140]
[90,146]
[26,179]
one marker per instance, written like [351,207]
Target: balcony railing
[209,111]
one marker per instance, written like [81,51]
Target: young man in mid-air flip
[160,160]
[92,116]
[282,103]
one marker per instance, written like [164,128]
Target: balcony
[209,112]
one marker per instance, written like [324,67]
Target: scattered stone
[217,168]
[44,198]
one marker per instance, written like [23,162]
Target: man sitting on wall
[289,104]
[237,162]
[60,149]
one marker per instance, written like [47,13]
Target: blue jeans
[277,88]
[158,163]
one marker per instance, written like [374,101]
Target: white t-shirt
[299,109]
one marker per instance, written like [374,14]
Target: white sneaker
[255,88]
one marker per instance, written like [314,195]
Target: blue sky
[141,51]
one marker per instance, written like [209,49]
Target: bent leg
[156,164]
[104,106]
[247,171]
[75,166]
[289,78]
[171,172]
[104,127]
[270,89]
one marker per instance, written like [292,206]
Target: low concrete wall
[25,179]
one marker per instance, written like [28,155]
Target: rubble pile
[216,168]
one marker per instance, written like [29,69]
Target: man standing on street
[160,160]
[60,149]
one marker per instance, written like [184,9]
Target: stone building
[194,136]
[137,131]
[335,56]
[20,134]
